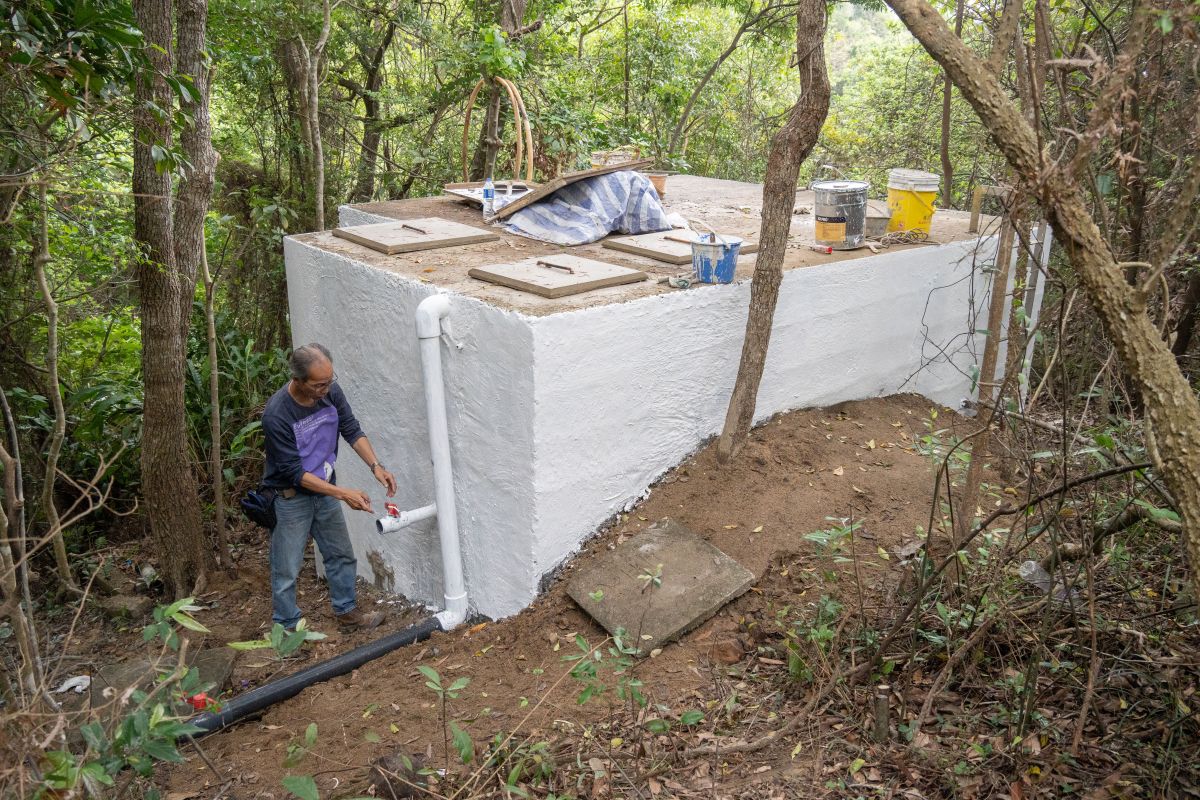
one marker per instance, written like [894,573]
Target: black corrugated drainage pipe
[291,685]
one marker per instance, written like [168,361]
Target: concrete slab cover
[558,275]
[673,246]
[428,233]
[697,580]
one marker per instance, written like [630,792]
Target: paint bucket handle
[716,236]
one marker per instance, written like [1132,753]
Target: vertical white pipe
[430,314]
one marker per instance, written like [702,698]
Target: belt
[288,493]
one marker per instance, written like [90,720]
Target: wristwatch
[377,464]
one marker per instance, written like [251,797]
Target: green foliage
[147,734]
[434,682]
[453,734]
[281,641]
[520,762]
[801,634]
[651,577]
[833,540]
[302,786]
[496,56]
[591,666]
[296,751]
[178,613]
[75,52]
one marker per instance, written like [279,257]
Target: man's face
[320,378]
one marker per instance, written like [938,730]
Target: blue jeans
[296,518]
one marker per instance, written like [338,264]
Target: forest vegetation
[153,156]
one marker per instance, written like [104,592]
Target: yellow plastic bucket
[911,194]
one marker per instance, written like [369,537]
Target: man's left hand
[386,479]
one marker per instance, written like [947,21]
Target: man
[302,422]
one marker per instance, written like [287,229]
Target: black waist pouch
[259,506]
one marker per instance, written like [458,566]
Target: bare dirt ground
[855,461]
[753,703]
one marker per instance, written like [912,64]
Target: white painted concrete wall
[558,422]
[625,392]
[365,316]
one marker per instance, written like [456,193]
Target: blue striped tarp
[591,209]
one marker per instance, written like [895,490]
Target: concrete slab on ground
[697,579]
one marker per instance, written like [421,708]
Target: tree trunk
[1172,410]
[989,384]
[53,391]
[214,418]
[509,16]
[625,63]
[168,486]
[681,125]
[364,183]
[789,147]
[302,69]
[29,669]
[947,93]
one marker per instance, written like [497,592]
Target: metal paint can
[840,208]
[714,258]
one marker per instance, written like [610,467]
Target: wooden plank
[557,275]
[549,188]
[673,247]
[410,235]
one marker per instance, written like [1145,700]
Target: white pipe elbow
[430,313]
[455,613]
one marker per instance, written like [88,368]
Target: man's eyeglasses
[323,384]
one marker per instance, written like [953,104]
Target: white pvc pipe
[431,323]
[390,524]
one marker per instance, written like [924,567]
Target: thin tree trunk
[30,667]
[947,92]
[54,391]
[1171,407]
[302,65]
[16,507]
[1187,318]
[214,419]
[677,134]
[364,183]
[988,384]
[314,120]
[509,16]
[789,147]
[168,486]
[625,62]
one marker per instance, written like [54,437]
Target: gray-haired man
[302,423]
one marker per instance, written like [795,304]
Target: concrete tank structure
[563,412]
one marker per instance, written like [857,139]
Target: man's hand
[357,499]
[386,479]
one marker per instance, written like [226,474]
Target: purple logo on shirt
[316,439]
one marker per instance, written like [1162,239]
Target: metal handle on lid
[551,265]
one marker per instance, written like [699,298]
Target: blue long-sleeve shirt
[302,439]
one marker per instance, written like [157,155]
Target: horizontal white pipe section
[390,524]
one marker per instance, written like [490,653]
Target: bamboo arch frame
[524,145]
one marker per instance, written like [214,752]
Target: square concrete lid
[697,579]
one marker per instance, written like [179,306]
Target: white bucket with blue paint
[714,258]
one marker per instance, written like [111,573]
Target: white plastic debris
[78,684]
